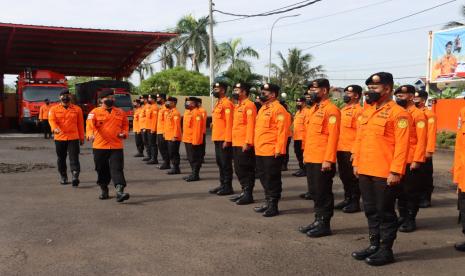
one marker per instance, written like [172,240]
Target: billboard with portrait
[447,56]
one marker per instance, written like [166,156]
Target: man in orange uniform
[43,119]
[299,132]
[448,63]
[173,134]
[107,127]
[271,131]
[411,184]
[137,129]
[162,143]
[427,168]
[67,123]
[380,157]
[243,130]
[204,117]
[151,121]
[145,126]
[321,137]
[192,137]
[459,172]
[349,116]
[222,121]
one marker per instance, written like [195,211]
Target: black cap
[380,78]
[172,99]
[422,94]
[354,88]
[192,99]
[300,100]
[153,96]
[65,92]
[105,93]
[271,87]
[323,83]
[46,100]
[200,100]
[242,85]
[161,95]
[410,89]
[220,84]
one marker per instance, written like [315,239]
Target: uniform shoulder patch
[332,120]
[227,111]
[431,120]
[280,117]
[175,117]
[249,112]
[90,116]
[402,123]
[198,118]
[421,124]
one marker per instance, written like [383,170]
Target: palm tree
[144,68]
[452,24]
[192,41]
[167,56]
[231,53]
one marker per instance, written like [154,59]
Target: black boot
[370,250]
[139,154]
[215,190]
[306,196]
[409,225]
[300,173]
[152,162]
[226,190]
[322,228]
[342,204]
[174,170]
[63,178]
[145,159]
[383,256]
[460,246]
[247,198]
[104,192]
[75,178]
[272,209]
[235,198]
[262,208]
[353,206]
[194,176]
[165,166]
[120,194]
[425,201]
[306,228]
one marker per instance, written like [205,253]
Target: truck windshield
[123,100]
[40,93]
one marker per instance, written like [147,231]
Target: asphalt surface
[170,227]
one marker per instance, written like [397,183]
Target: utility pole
[210,46]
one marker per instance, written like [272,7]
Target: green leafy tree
[9,88]
[234,56]
[176,81]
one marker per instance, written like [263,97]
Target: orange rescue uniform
[136,121]
[348,129]
[192,127]
[173,125]
[105,126]
[459,156]
[299,124]
[271,129]
[418,135]
[43,112]
[222,120]
[152,117]
[243,127]
[163,111]
[432,130]
[204,116]
[70,122]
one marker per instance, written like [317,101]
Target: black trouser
[146,140]
[224,162]
[204,147]
[64,148]
[379,206]
[173,150]
[299,153]
[163,148]
[346,173]
[153,145]
[427,178]
[244,166]
[461,207]
[194,155]
[269,172]
[46,128]
[410,192]
[286,156]
[109,164]
[139,143]
[321,189]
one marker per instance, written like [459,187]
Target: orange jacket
[192,128]
[163,112]
[348,129]
[322,133]
[136,121]
[459,156]
[106,126]
[432,130]
[147,115]
[271,130]
[173,125]
[43,112]
[299,124]
[222,120]
[152,117]
[289,123]
[384,143]
[70,122]
[142,119]
[418,135]
[243,127]
[204,116]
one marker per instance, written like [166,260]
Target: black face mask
[372,97]
[168,104]
[235,96]
[160,102]
[315,97]
[402,102]
[309,102]
[346,99]
[263,98]
[418,104]
[47,103]
[216,94]
[66,99]
[298,106]
[187,106]
[108,102]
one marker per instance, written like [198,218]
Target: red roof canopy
[74,51]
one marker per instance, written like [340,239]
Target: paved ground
[170,227]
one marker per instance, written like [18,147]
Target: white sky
[347,61]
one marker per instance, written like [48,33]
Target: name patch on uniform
[332,120]
[421,124]
[431,120]
[402,123]
[90,116]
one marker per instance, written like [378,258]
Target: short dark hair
[449,43]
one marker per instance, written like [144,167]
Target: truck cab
[33,87]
